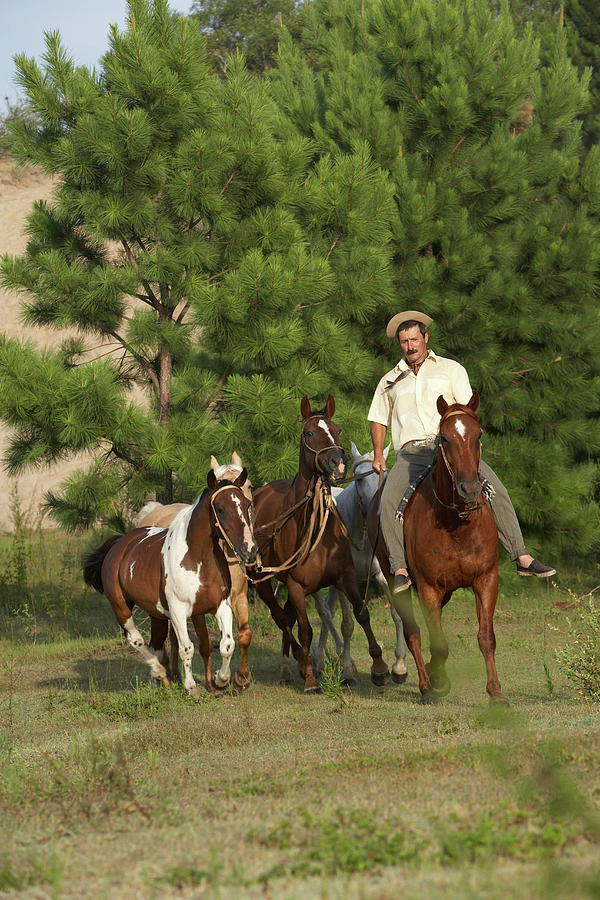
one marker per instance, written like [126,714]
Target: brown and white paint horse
[161,516]
[180,572]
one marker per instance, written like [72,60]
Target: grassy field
[111,789]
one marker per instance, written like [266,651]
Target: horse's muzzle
[247,552]
[469,491]
[335,467]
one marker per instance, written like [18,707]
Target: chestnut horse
[451,542]
[180,572]
[303,543]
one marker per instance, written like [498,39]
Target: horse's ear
[213,463]
[474,402]
[236,459]
[442,406]
[305,407]
[240,481]
[329,407]
[355,451]
[211,479]
[387,450]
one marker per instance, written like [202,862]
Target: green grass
[111,789]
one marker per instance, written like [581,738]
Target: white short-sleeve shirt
[410,406]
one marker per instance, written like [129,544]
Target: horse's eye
[444,439]
[308,434]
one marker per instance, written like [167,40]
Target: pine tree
[226,271]
[248,26]
[496,229]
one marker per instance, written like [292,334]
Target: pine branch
[138,358]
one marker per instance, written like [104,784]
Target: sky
[83,26]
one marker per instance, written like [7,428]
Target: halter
[463,510]
[317,453]
[224,535]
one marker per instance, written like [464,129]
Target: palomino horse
[451,542]
[352,504]
[180,572]
[303,542]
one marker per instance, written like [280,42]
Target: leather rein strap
[322,504]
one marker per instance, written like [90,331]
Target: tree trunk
[164,414]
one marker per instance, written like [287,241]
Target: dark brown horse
[180,572]
[451,542]
[303,544]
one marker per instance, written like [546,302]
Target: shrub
[580,659]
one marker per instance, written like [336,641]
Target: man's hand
[379,463]
[378,437]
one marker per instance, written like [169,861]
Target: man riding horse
[406,398]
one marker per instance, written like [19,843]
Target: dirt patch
[19,190]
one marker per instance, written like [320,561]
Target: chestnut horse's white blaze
[460,428]
[323,424]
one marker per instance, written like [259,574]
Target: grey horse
[352,503]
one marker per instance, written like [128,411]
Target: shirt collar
[402,366]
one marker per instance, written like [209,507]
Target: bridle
[317,453]
[463,510]
[224,536]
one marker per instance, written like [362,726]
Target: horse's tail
[92,563]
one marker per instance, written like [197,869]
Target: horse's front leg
[239,605]
[318,650]
[431,605]
[348,664]
[302,649]
[485,588]
[186,647]
[380,674]
[265,591]
[227,645]
[399,670]
[205,647]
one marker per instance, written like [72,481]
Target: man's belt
[426,442]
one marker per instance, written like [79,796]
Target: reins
[321,507]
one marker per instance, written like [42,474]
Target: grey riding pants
[410,463]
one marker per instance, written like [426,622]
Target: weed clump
[580,659]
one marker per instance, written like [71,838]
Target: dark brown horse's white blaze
[182,572]
[451,542]
[302,543]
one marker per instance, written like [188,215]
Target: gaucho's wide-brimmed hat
[410,315]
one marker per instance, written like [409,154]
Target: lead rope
[320,511]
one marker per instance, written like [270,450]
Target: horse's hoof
[380,680]
[194,693]
[499,700]
[399,679]
[218,689]
[241,684]
[441,688]
[313,690]
[429,698]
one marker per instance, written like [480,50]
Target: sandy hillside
[18,192]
